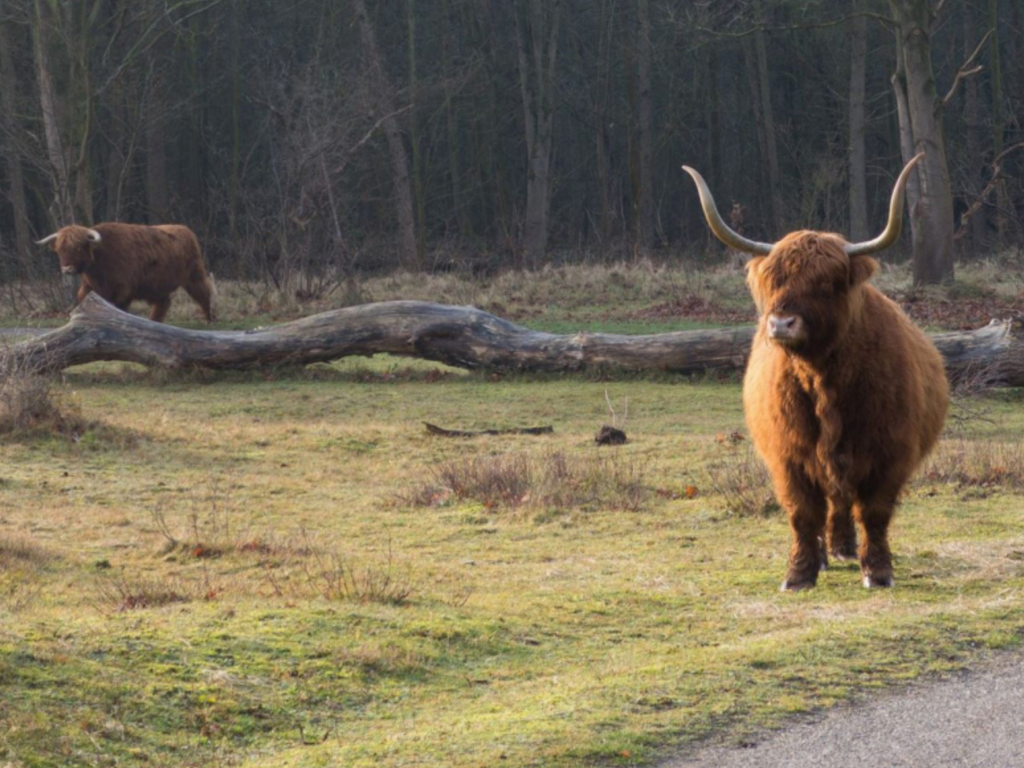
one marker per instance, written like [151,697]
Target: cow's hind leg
[200,288]
[805,504]
[160,308]
[840,533]
[873,515]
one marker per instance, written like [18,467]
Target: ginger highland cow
[131,262]
[843,395]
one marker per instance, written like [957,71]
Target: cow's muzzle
[786,329]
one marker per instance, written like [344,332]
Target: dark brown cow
[131,262]
[843,395]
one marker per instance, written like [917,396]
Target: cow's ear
[862,268]
[754,265]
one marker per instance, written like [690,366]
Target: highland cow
[131,262]
[843,395]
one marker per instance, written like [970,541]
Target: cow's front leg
[805,505]
[873,516]
[840,534]
[159,311]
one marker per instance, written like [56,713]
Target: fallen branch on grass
[435,430]
[463,337]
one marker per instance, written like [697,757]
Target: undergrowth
[515,480]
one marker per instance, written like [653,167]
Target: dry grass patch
[121,591]
[556,480]
[976,463]
[32,402]
[742,481]
[22,562]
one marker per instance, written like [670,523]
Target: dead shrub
[556,480]
[119,591]
[982,463]
[18,550]
[21,563]
[336,576]
[30,402]
[743,482]
[211,525]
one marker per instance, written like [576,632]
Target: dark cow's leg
[160,308]
[805,504]
[201,291]
[839,530]
[874,515]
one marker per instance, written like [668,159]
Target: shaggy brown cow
[131,262]
[843,395]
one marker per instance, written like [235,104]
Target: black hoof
[873,582]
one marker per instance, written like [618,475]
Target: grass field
[288,570]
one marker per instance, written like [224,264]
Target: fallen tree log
[463,337]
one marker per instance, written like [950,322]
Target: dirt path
[972,720]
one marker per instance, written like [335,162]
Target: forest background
[307,141]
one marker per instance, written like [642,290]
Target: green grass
[526,635]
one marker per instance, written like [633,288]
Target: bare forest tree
[308,141]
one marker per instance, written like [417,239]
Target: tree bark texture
[401,183]
[931,213]
[973,125]
[645,192]
[11,151]
[858,156]
[537,25]
[463,337]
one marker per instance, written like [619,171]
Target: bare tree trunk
[768,123]
[998,122]
[858,157]
[236,112]
[537,26]
[645,198]
[931,214]
[62,210]
[402,186]
[455,147]
[414,134]
[157,201]
[12,153]
[973,127]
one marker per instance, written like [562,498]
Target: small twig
[966,70]
[373,129]
[997,176]
[435,430]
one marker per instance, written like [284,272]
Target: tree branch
[966,70]
[997,176]
[791,27]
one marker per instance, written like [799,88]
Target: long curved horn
[47,239]
[718,226]
[93,235]
[892,229]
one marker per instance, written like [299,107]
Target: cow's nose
[782,326]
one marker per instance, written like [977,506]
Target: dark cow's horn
[718,226]
[47,239]
[93,235]
[892,229]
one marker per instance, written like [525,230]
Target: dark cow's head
[74,246]
[806,285]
